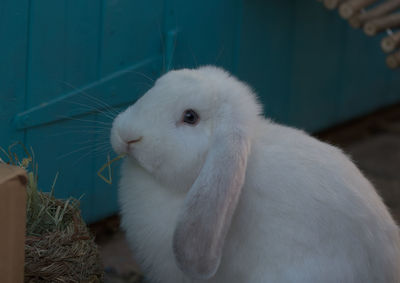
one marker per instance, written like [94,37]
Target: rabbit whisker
[78,132]
[74,151]
[86,120]
[93,151]
[107,114]
[94,127]
[90,97]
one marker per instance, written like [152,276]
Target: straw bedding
[58,247]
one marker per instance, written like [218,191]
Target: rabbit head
[192,131]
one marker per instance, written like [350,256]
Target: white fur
[305,213]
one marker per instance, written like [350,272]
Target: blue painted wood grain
[60,58]
[265,55]
[14,17]
[207,32]
[132,33]
[317,66]
[63,50]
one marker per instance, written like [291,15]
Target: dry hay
[60,253]
[58,247]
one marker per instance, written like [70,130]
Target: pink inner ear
[209,206]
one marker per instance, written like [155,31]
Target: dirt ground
[373,142]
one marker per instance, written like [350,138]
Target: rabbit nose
[134,141]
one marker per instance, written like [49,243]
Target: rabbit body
[305,214]
[311,217]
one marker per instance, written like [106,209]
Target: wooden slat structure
[373,17]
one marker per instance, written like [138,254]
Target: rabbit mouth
[129,145]
[134,141]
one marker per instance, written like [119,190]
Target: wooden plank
[392,94]
[207,32]
[317,64]
[67,147]
[98,47]
[365,80]
[13,48]
[118,88]
[131,33]
[265,54]
[63,49]
[131,45]
[105,194]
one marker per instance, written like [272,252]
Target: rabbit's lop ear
[210,203]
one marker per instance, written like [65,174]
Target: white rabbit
[211,191]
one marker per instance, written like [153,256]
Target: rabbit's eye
[190,117]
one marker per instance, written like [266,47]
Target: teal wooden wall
[309,68]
